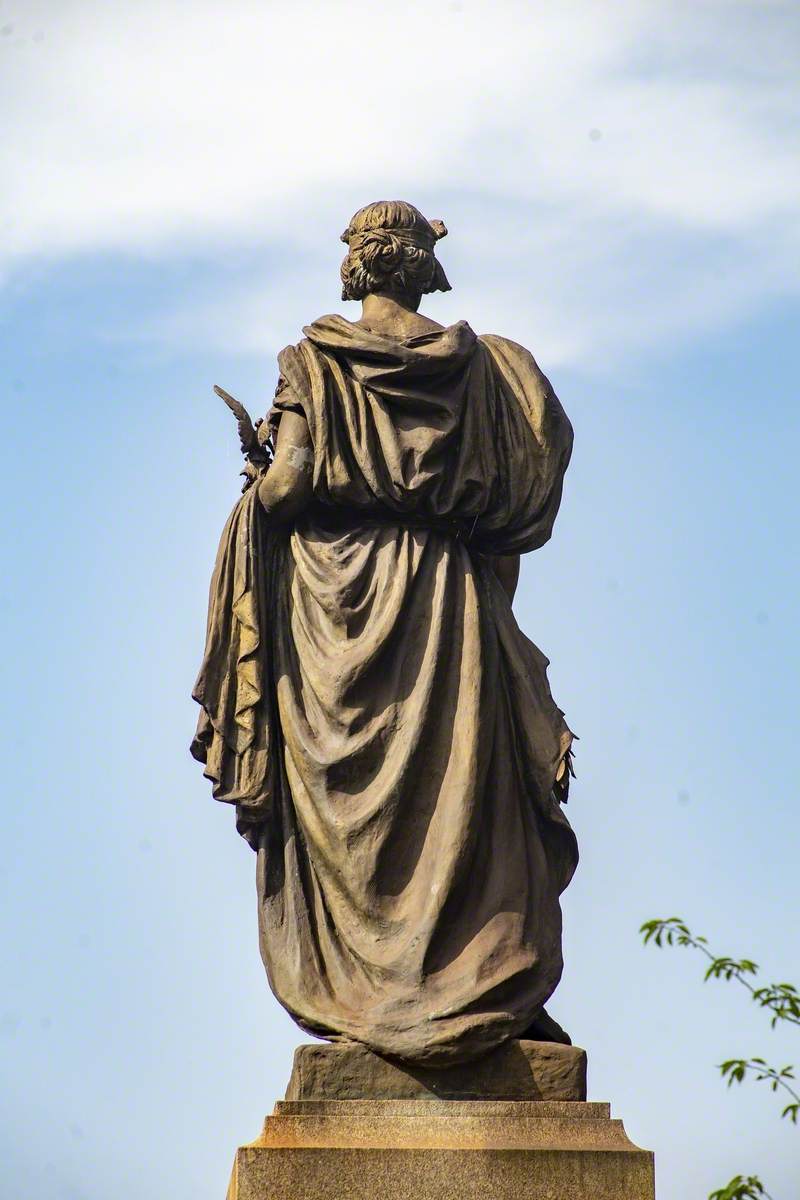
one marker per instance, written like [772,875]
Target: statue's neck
[394,316]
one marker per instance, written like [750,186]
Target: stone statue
[369,704]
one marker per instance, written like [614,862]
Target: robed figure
[369,704]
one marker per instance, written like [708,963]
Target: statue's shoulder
[330,329]
[516,363]
[294,359]
[505,351]
[524,377]
[327,329]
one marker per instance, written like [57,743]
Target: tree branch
[782,999]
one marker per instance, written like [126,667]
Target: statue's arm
[506,568]
[287,487]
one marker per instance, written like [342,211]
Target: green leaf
[741,1187]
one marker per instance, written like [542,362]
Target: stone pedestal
[519,1070]
[368,1148]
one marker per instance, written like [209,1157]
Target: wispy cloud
[613,175]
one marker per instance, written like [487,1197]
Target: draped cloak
[371,707]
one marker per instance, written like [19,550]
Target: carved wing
[247,432]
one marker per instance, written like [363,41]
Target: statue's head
[390,250]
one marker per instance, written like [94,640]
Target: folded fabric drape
[370,705]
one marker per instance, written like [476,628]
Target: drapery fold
[370,705]
[237,737]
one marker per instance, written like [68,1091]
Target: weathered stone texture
[519,1070]
[435,1150]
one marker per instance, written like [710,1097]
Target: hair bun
[439,228]
[382,251]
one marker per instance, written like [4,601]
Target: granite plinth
[442,1150]
[355,1126]
[519,1070]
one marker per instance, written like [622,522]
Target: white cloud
[612,175]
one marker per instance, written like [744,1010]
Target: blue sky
[620,188]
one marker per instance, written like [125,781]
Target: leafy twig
[742,1187]
[735,1071]
[782,999]
[783,1002]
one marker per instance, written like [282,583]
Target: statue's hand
[251,473]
